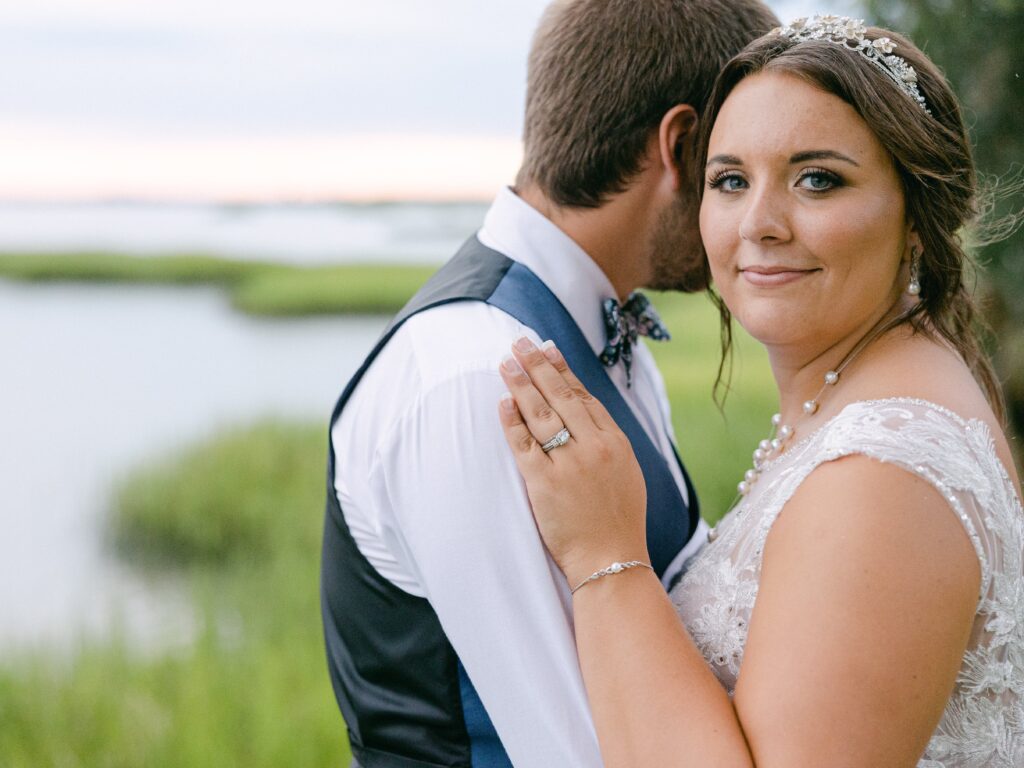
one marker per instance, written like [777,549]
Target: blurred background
[207,213]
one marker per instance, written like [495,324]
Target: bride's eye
[727,181]
[819,180]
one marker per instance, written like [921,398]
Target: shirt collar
[517,230]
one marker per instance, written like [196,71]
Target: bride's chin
[771,320]
[772,329]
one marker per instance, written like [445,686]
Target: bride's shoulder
[902,441]
[913,366]
[908,447]
[923,389]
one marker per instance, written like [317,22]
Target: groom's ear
[676,136]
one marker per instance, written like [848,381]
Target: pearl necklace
[782,434]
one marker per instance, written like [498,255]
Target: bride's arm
[867,595]
[654,700]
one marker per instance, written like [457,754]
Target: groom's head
[607,80]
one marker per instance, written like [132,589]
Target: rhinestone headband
[849,33]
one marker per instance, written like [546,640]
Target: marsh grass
[243,495]
[239,517]
[257,288]
[254,695]
[343,289]
[97,267]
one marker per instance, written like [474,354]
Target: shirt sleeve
[455,511]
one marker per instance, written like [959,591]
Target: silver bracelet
[609,571]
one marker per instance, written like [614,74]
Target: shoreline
[260,288]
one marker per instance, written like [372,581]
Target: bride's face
[803,215]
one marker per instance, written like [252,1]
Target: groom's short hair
[603,73]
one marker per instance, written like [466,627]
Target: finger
[553,388]
[525,448]
[541,419]
[597,410]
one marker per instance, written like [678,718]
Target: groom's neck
[615,235]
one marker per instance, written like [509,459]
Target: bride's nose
[764,219]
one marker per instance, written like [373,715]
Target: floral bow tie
[637,317]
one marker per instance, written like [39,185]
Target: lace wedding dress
[983,723]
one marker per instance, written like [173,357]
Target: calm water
[399,232]
[95,380]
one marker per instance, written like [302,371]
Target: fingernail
[524,345]
[550,351]
[511,365]
[507,402]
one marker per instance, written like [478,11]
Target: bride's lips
[774,276]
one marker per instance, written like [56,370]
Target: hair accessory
[914,288]
[609,571]
[850,33]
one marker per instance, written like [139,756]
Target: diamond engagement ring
[557,441]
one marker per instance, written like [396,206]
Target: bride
[863,603]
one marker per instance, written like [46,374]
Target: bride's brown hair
[931,153]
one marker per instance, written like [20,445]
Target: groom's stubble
[677,258]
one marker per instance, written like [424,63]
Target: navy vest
[404,695]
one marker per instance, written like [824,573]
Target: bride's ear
[676,136]
[913,242]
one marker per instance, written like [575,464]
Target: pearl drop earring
[914,288]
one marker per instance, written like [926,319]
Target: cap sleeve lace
[983,723]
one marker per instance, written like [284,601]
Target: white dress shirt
[433,499]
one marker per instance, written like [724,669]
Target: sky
[265,100]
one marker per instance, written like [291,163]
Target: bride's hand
[589,495]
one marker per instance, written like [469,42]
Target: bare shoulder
[875,515]
[911,365]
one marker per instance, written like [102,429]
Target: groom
[448,628]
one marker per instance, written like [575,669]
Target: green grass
[257,288]
[715,446]
[346,289]
[263,702]
[239,516]
[244,495]
[117,268]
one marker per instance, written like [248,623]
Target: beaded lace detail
[983,723]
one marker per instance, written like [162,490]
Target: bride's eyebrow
[822,154]
[725,160]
